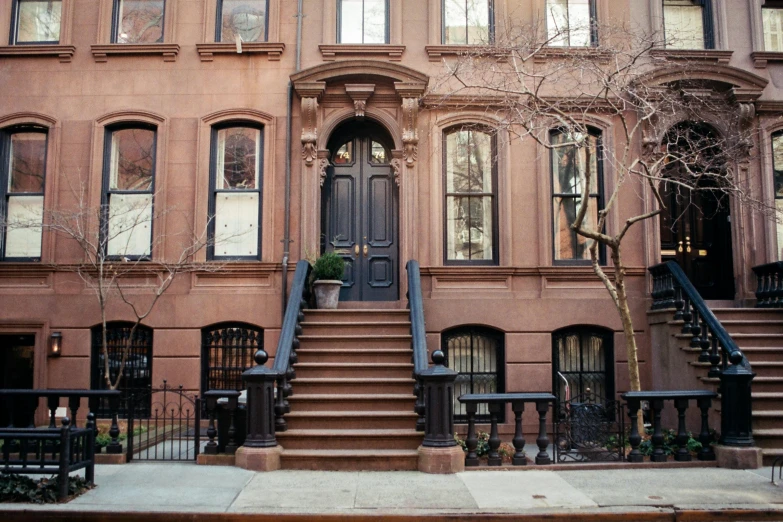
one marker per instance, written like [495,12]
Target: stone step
[311,328]
[369,355]
[375,342]
[770,455]
[767,401]
[351,420]
[772,438]
[352,385]
[763,353]
[350,460]
[759,340]
[729,314]
[353,370]
[356,316]
[767,384]
[766,368]
[767,420]
[302,402]
[760,326]
[350,439]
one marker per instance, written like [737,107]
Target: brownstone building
[283,133]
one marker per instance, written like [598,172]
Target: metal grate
[477,354]
[137,374]
[584,359]
[226,352]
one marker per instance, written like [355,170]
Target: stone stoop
[352,402]
[759,334]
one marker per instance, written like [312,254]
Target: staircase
[759,334]
[352,402]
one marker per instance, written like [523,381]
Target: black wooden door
[696,232]
[360,218]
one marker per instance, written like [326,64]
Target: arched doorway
[360,212]
[696,223]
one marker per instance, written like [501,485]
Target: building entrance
[16,373]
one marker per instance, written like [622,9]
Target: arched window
[583,362]
[227,350]
[470,188]
[477,353]
[136,375]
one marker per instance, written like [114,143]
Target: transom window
[138,21]
[236,192]
[583,359]
[772,21]
[477,353]
[688,24]
[363,21]
[571,23]
[777,176]
[36,21]
[22,175]
[129,173]
[246,19]
[572,156]
[470,180]
[467,22]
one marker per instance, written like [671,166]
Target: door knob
[356,250]
[679,248]
[365,250]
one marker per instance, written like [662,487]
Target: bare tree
[536,89]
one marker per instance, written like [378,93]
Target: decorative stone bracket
[410,92]
[359,93]
[310,92]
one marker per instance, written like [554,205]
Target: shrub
[20,488]
[328,266]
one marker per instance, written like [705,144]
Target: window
[236,180]
[777,172]
[478,355]
[136,378]
[572,156]
[467,22]
[22,174]
[138,21]
[471,196]
[688,24]
[129,173]
[227,350]
[571,23]
[363,21]
[36,21]
[583,357]
[244,18]
[772,21]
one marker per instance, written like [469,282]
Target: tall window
[478,355]
[772,20]
[573,155]
[22,174]
[688,24]
[571,23]
[36,21]
[138,21]
[129,173]
[471,196]
[583,360]
[236,180]
[136,378]
[777,172]
[363,21]
[226,352]
[467,22]
[244,18]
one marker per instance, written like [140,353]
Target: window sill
[101,52]
[437,52]
[701,55]
[762,58]
[273,50]
[64,52]
[330,52]
[555,52]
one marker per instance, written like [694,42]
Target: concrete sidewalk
[188,488]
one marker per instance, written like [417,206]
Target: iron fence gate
[589,429]
[163,425]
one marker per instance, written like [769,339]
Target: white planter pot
[327,293]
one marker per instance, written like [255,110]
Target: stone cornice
[64,52]
[437,52]
[273,50]
[700,55]
[762,58]
[101,52]
[330,52]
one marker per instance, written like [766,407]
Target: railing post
[706,453]
[494,458]
[658,455]
[519,458]
[89,471]
[543,440]
[736,408]
[683,455]
[635,439]
[471,440]
[114,446]
[211,447]
[231,444]
[438,389]
[259,382]
[65,453]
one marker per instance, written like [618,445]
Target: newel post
[439,453]
[736,409]
[260,451]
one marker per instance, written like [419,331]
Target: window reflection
[244,18]
[38,21]
[139,21]
[466,22]
[378,154]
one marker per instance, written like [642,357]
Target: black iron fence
[588,428]
[769,291]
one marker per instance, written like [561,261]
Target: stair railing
[286,357]
[672,289]
[769,292]
[418,338]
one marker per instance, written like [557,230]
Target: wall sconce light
[55,344]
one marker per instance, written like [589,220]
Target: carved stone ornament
[410,137]
[323,164]
[309,130]
[396,165]
[746,111]
[359,93]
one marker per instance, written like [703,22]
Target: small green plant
[670,446]
[482,448]
[20,488]
[329,266]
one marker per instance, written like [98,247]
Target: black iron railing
[769,292]
[495,403]
[657,401]
[418,337]
[286,357]
[234,436]
[672,290]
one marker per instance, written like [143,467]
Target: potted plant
[327,280]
